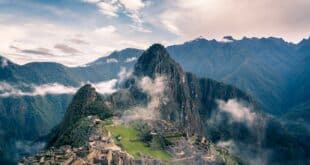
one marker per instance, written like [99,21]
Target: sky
[75,32]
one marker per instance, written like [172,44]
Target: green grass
[130,143]
[108,121]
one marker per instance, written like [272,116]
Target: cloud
[66,49]
[169,19]
[37,51]
[140,28]
[108,8]
[130,8]
[8,90]
[106,29]
[54,89]
[124,74]
[133,8]
[211,18]
[130,59]
[106,87]
[78,41]
[27,43]
[15,90]
[133,5]
[155,91]
[111,60]
[237,111]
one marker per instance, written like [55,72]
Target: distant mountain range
[274,72]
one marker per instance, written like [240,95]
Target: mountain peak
[157,50]
[155,60]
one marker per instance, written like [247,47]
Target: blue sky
[74,32]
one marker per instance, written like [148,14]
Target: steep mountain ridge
[254,65]
[189,96]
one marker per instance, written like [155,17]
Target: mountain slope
[85,103]
[254,65]
[25,118]
[187,94]
[105,68]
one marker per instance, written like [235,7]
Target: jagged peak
[85,92]
[155,60]
[156,49]
[153,54]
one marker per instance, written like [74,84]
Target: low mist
[155,90]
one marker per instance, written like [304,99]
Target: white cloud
[106,87]
[155,91]
[54,89]
[131,8]
[213,18]
[108,8]
[10,90]
[133,4]
[131,59]
[7,90]
[111,60]
[105,30]
[28,37]
[237,111]
[171,27]
[124,74]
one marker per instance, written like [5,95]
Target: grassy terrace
[130,142]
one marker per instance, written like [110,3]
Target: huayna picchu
[163,115]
